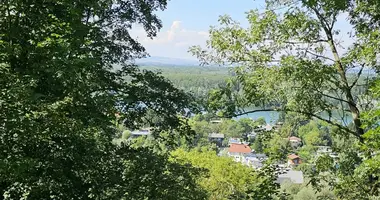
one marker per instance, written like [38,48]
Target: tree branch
[305,42]
[358,77]
[332,97]
[322,20]
[320,56]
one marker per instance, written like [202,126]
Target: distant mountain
[166,61]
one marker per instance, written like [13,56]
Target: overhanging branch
[357,77]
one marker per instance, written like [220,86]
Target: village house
[263,128]
[216,121]
[216,138]
[294,160]
[324,150]
[141,132]
[279,125]
[239,151]
[252,135]
[234,141]
[255,160]
[295,142]
[268,127]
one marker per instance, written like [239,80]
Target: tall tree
[292,57]
[60,94]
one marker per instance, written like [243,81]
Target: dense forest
[72,126]
[198,81]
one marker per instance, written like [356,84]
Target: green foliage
[59,95]
[278,148]
[260,121]
[198,81]
[231,128]
[303,191]
[290,58]
[311,134]
[306,153]
[227,179]
[151,176]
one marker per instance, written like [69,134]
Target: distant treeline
[196,80]
[200,80]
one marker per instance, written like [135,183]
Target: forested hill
[194,79]
[199,80]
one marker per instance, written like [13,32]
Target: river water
[271,117]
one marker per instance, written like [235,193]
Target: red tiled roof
[293,156]
[239,148]
[295,138]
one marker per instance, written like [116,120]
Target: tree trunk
[347,90]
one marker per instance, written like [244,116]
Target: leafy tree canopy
[60,94]
[291,57]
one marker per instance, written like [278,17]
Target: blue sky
[186,23]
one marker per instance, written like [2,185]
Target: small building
[294,160]
[216,138]
[295,142]
[141,132]
[255,160]
[239,151]
[324,150]
[216,121]
[262,128]
[234,141]
[252,135]
[279,125]
[268,127]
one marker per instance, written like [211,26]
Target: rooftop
[216,121]
[293,156]
[239,148]
[216,135]
[293,138]
[268,127]
[141,132]
[234,140]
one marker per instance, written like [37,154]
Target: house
[262,128]
[279,125]
[234,141]
[295,142]
[324,150]
[216,121]
[216,138]
[268,127]
[255,160]
[239,151]
[288,175]
[252,135]
[294,160]
[141,132]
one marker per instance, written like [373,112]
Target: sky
[186,23]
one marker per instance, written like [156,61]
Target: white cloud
[173,42]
